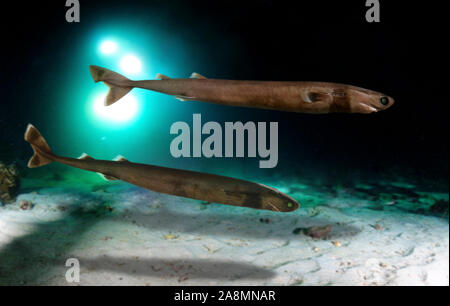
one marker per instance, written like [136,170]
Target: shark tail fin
[42,152]
[118,85]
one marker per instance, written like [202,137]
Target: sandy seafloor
[125,235]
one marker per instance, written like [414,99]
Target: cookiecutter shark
[188,184]
[303,97]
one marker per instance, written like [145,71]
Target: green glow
[139,130]
[109,47]
[123,110]
[131,64]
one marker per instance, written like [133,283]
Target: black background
[276,40]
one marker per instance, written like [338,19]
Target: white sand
[154,239]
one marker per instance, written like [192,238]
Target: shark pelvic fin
[195,75]
[184,98]
[108,177]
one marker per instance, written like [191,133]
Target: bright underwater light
[122,111]
[109,47]
[131,64]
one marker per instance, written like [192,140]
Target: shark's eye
[290,204]
[384,101]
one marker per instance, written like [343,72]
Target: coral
[9,183]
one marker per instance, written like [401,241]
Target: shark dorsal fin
[84,156]
[195,75]
[160,76]
[120,158]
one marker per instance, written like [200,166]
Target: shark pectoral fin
[184,98]
[195,75]
[340,93]
[108,177]
[84,156]
[120,158]
[315,96]
[160,76]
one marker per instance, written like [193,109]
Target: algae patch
[9,183]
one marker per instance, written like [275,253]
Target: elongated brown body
[189,184]
[305,97]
